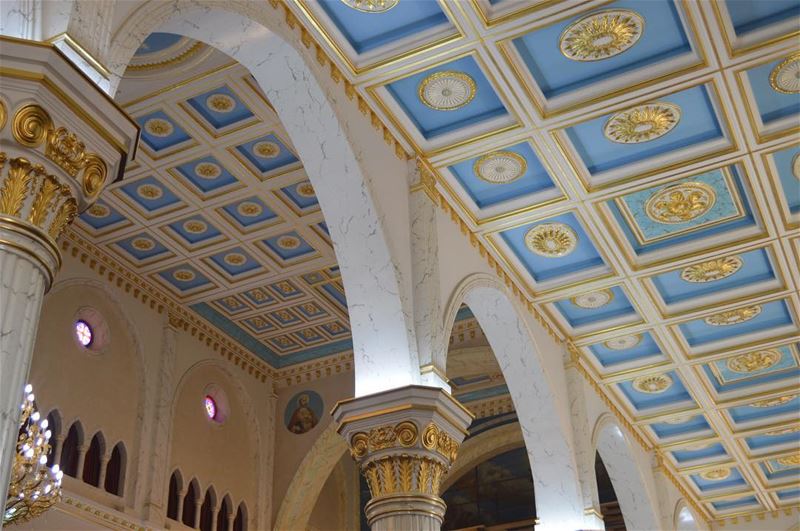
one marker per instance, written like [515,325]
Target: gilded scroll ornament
[642,123]
[95,174]
[712,270]
[733,317]
[754,361]
[31,125]
[680,203]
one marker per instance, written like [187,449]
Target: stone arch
[344,172]
[311,476]
[483,446]
[634,496]
[683,518]
[544,421]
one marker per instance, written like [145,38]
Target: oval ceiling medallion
[447,90]
[149,191]
[783,431]
[305,190]
[642,123]
[754,361]
[733,317]
[266,150]
[143,244]
[249,209]
[601,35]
[551,240]
[682,419]
[195,226]
[623,342]
[716,474]
[593,300]
[772,402]
[235,259]
[785,78]
[98,211]
[183,275]
[288,242]
[680,203]
[652,384]
[158,127]
[500,167]
[796,166]
[371,6]
[221,103]
[789,460]
[207,170]
[712,270]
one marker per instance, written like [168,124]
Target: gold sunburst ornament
[642,123]
[208,170]
[220,103]
[143,244]
[158,127]
[785,77]
[500,167]
[551,240]
[447,90]
[183,275]
[773,402]
[680,202]
[790,460]
[266,149]
[371,6]
[235,259]
[754,361]
[712,270]
[601,35]
[733,317]
[716,474]
[593,300]
[623,342]
[652,384]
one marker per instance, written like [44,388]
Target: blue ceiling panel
[756,267]
[735,479]
[485,194]
[207,175]
[770,439]
[584,256]
[773,314]
[265,161]
[142,246]
[236,262]
[431,123]
[748,16]
[195,229]
[673,395]
[788,494]
[644,349]
[785,160]
[289,246]
[160,132]
[184,277]
[150,194]
[772,105]
[745,501]
[774,469]
[577,316]
[220,117]
[664,38]
[749,413]
[101,215]
[249,213]
[368,31]
[157,42]
[724,379]
[696,426]
[698,124]
[713,450]
[301,195]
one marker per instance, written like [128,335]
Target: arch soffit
[482,447]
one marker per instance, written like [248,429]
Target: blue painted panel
[773,314]
[267,164]
[756,267]
[748,16]
[698,124]
[338,295]
[311,310]
[772,105]
[674,394]
[748,413]
[788,494]
[180,227]
[197,281]
[367,31]
[308,336]
[693,426]
[607,357]
[485,194]
[779,470]
[285,317]
[202,184]
[157,42]
[758,442]
[217,119]
[260,297]
[735,479]
[160,143]
[482,394]
[664,38]
[301,201]
[790,184]
[302,248]
[249,264]
[286,289]
[103,216]
[714,450]
[141,254]
[732,504]
[335,328]
[231,304]
[432,123]
[576,316]
[786,367]
[585,255]
[136,190]
[246,218]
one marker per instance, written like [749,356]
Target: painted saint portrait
[303,412]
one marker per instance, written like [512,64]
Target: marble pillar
[62,141]
[404,441]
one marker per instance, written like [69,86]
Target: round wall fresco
[303,412]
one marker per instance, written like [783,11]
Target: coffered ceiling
[634,167]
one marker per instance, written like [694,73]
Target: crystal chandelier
[34,487]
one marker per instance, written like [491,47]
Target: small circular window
[211,407]
[215,404]
[84,333]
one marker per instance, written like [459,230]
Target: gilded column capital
[404,441]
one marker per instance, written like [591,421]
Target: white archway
[545,428]
[684,519]
[633,494]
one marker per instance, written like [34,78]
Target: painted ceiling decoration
[633,167]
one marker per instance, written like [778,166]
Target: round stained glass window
[84,333]
[211,407]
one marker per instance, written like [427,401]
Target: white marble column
[61,142]
[404,441]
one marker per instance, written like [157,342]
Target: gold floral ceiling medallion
[652,384]
[195,226]
[221,103]
[500,167]
[551,240]
[288,242]
[712,270]
[593,300]
[601,35]
[716,474]
[783,431]
[158,127]
[754,361]
[149,191]
[772,402]
[733,317]
[235,259]
[623,342]
[305,190]
[371,6]
[266,150]
[249,209]
[796,166]
[143,244]
[642,123]
[680,202]
[98,211]
[183,275]
[208,170]
[785,78]
[789,460]
[682,419]
[447,90]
